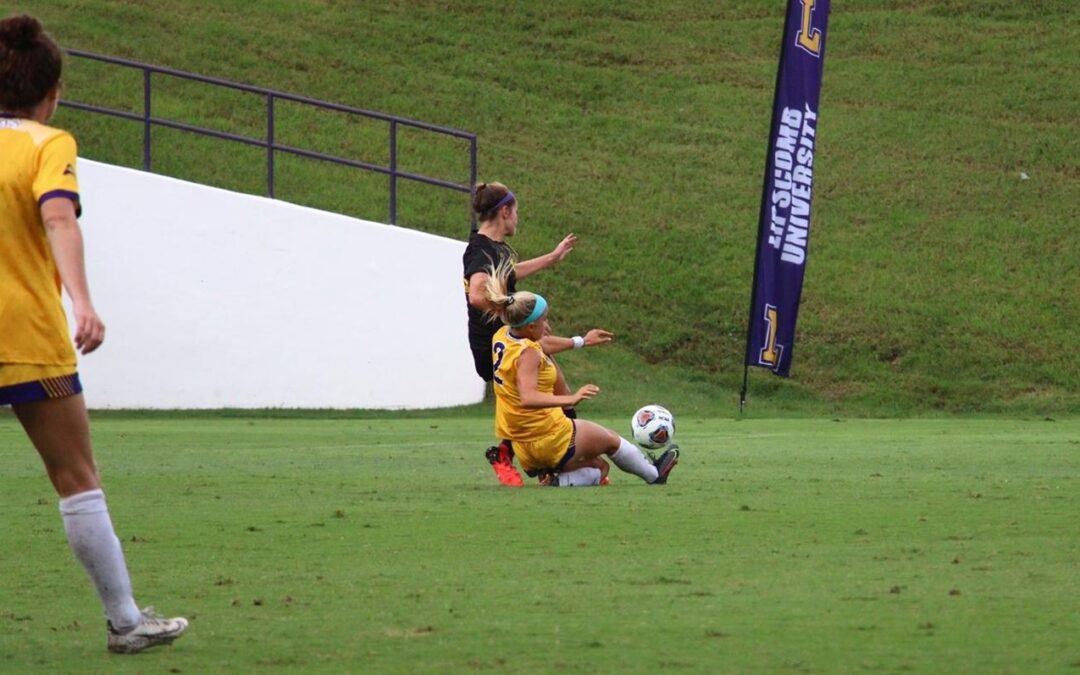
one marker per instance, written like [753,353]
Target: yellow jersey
[513,421]
[37,163]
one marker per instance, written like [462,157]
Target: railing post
[472,181]
[270,145]
[393,172]
[147,163]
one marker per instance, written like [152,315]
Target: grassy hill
[943,272]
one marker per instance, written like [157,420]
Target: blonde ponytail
[510,308]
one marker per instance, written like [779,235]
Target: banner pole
[742,393]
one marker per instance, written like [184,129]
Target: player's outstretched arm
[524,269]
[553,344]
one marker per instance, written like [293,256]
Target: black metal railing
[271,146]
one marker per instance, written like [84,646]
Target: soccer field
[386,546]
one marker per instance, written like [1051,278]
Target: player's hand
[598,336]
[564,247]
[586,392]
[89,328]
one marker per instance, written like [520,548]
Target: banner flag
[784,224]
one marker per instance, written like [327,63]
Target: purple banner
[784,225]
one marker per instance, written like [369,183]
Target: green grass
[939,281]
[385,546]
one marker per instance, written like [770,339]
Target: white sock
[631,460]
[583,477]
[90,533]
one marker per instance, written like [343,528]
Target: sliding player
[527,407]
[496,209]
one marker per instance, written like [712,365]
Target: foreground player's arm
[524,269]
[553,344]
[528,368]
[66,242]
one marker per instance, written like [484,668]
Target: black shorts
[481,354]
[480,346]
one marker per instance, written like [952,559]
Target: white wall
[213,299]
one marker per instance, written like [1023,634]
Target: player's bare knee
[73,478]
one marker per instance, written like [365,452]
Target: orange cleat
[499,458]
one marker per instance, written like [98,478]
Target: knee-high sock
[585,476]
[631,460]
[90,533]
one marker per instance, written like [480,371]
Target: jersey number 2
[499,351]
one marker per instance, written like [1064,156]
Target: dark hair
[486,197]
[30,63]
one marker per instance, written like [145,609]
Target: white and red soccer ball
[653,426]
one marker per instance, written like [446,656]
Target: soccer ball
[653,426]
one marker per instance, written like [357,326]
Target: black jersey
[481,255]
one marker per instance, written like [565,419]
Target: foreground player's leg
[92,539]
[60,431]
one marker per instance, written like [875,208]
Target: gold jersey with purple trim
[512,420]
[38,164]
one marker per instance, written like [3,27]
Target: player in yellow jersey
[496,209]
[41,247]
[528,411]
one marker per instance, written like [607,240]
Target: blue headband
[502,202]
[536,313]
